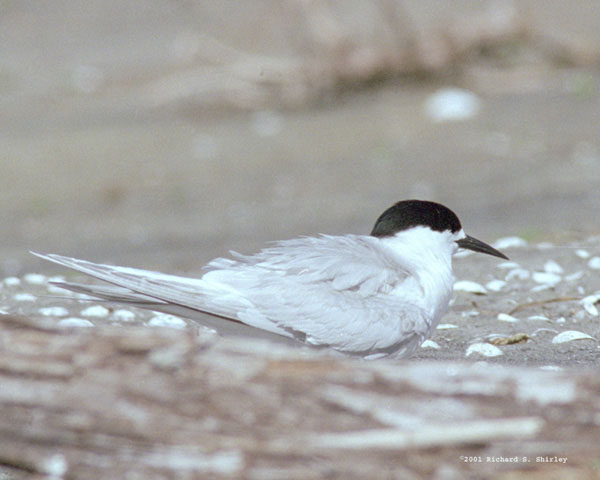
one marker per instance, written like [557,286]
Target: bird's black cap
[414,213]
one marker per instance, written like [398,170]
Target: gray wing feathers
[156,291]
[350,262]
[321,290]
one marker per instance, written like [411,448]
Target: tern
[371,296]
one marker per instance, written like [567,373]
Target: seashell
[35,278]
[446,326]
[509,242]
[98,311]
[485,349]
[166,320]
[74,322]
[53,311]
[495,285]
[571,335]
[504,317]
[469,286]
[451,104]
[430,344]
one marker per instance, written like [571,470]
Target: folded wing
[328,290]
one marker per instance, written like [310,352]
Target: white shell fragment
[430,344]
[581,253]
[53,311]
[570,335]
[446,326]
[75,322]
[589,304]
[507,265]
[541,318]
[552,267]
[12,281]
[60,291]
[469,286]
[574,276]
[55,466]
[551,368]
[505,317]
[594,263]
[450,104]
[24,297]
[546,278]
[35,278]
[165,320]
[518,273]
[509,242]
[495,285]
[267,123]
[123,315]
[95,311]
[485,349]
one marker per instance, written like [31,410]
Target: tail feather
[153,286]
[182,296]
[111,294]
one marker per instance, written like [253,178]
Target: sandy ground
[534,298]
[91,169]
[93,166]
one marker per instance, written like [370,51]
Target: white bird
[370,296]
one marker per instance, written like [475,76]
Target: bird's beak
[471,243]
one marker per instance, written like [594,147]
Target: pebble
[12,281]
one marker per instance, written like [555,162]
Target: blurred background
[162,133]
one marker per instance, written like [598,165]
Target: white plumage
[369,296]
